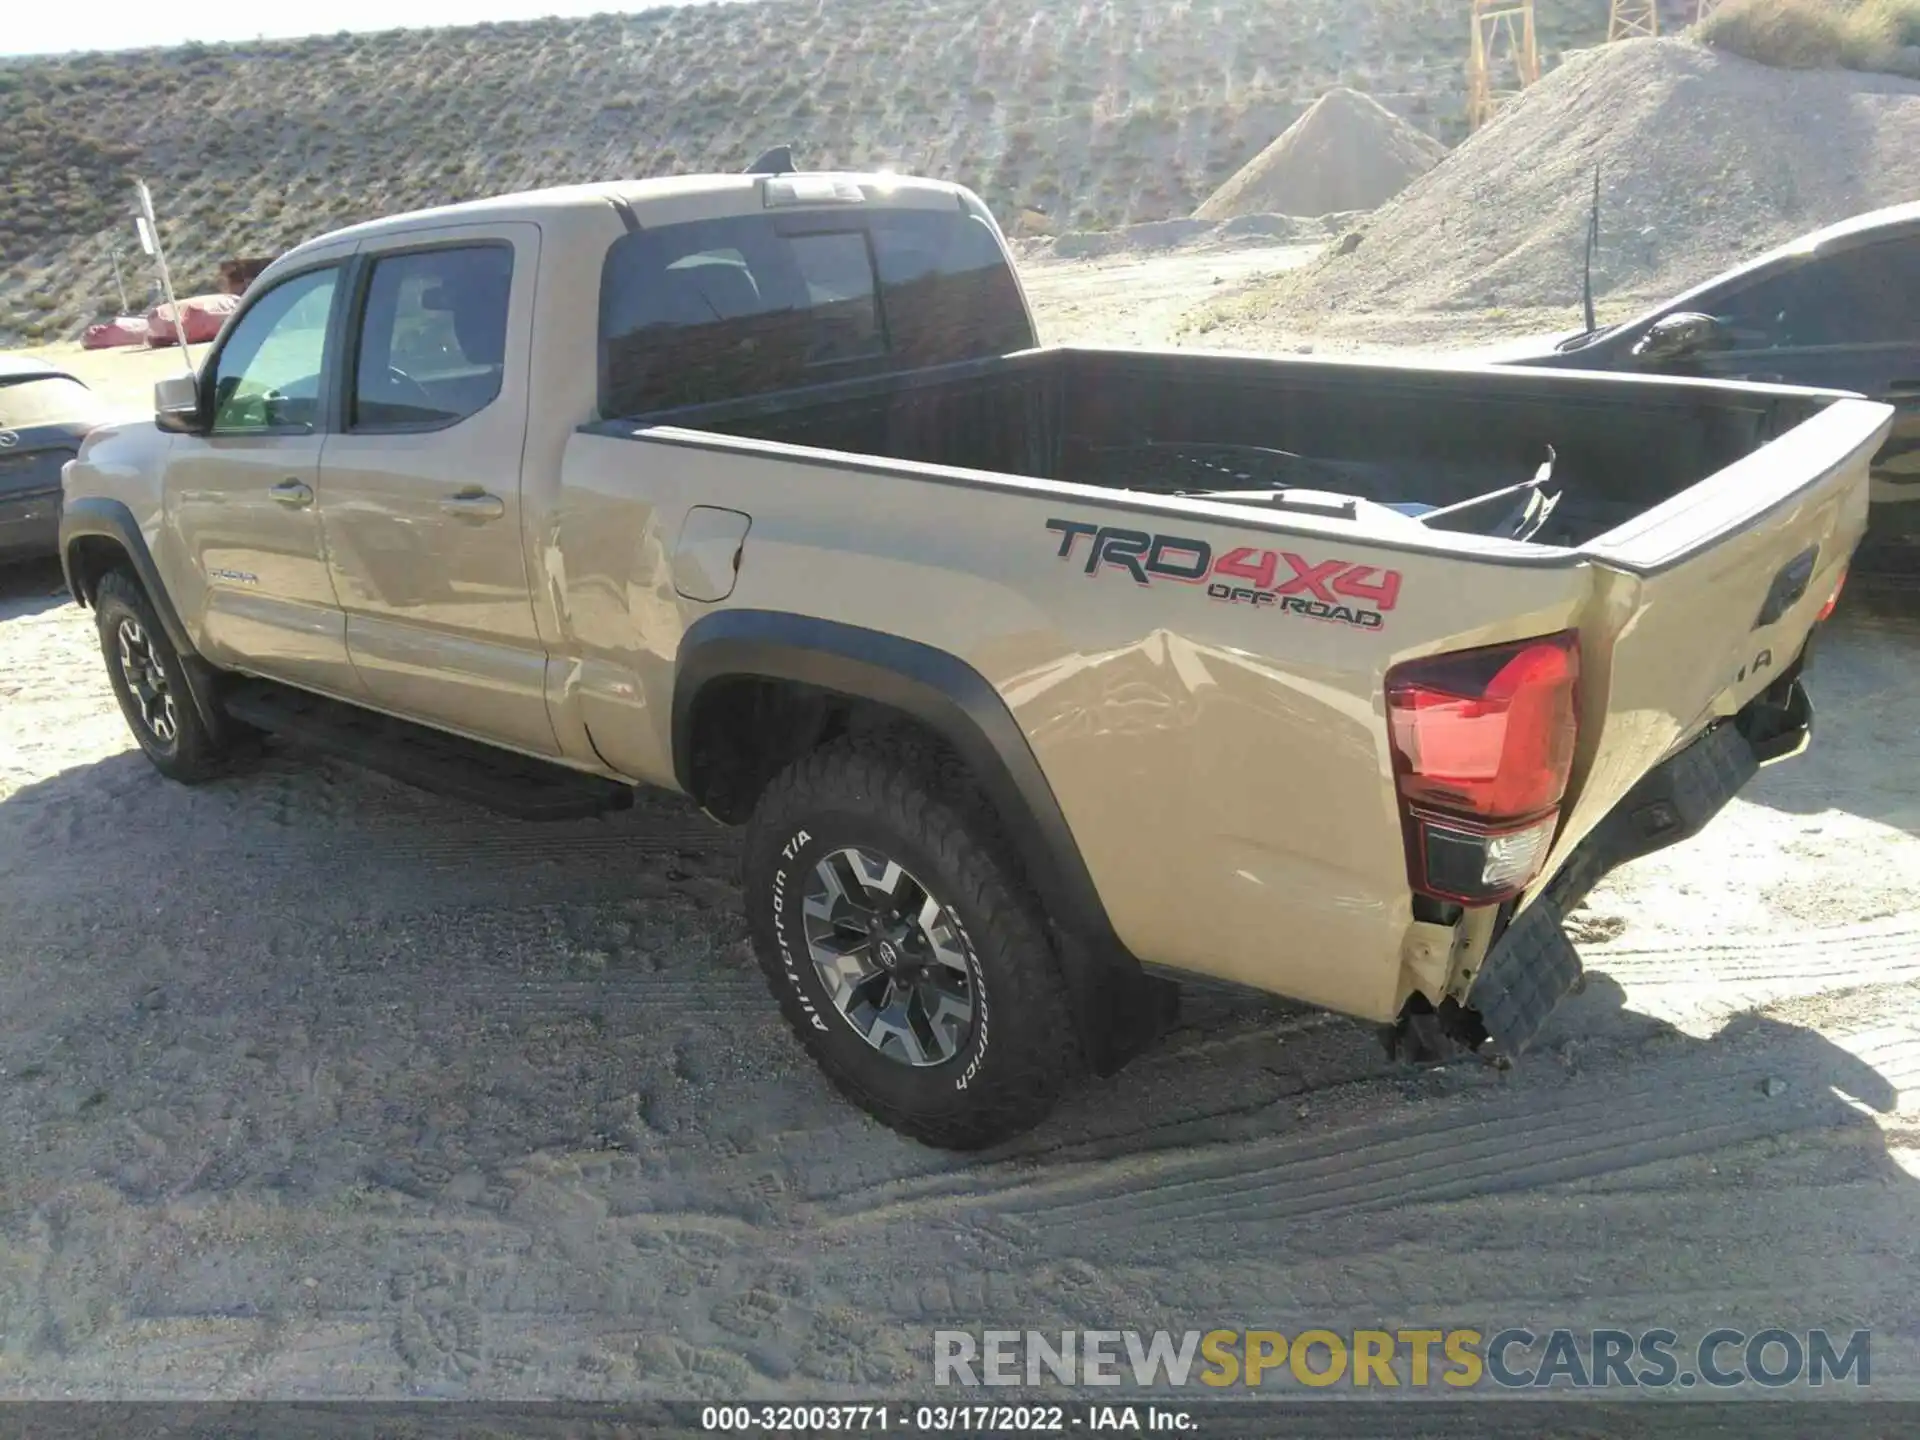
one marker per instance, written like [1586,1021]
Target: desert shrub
[1791,34]
[1807,34]
[1891,22]
[1885,35]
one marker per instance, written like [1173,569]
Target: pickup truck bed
[1165,422]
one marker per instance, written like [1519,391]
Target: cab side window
[1867,295]
[1872,295]
[1765,315]
[432,344]
[266,378]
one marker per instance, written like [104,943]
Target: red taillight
[1834,599]
[1487,732]
[1483,743]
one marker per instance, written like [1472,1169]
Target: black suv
[1838,309]
[44,415]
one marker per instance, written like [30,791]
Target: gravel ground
[313,1085]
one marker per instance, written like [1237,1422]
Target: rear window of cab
[718,309]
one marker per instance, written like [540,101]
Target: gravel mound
[1705,160]
[1348,152]
[1153,237]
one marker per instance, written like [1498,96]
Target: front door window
[266,377]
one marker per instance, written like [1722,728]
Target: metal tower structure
[1503,45]
[1628,18]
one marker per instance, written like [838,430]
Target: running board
[430,759]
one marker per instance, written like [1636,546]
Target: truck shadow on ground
[1605,1092]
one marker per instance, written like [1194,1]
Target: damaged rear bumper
[1532,965]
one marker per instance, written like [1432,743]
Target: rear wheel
[911,965]
[150,681]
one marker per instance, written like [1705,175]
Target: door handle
[474,505]
[294,494]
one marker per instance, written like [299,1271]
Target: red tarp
[202,315]
[121,330]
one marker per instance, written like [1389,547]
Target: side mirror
[1679,337]
[176,404]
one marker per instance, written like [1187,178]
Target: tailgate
[1705,600]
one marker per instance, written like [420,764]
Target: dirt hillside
[1705,160]
[1127,111]
[1348,152]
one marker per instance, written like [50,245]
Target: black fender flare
[1120,1007]
[96,517]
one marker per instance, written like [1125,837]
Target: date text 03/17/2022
[956,1419]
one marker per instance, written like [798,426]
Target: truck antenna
[1593,244]
[777,161]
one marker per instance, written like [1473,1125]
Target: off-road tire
[1021,1049]
[192,754]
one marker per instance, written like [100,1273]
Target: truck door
[243,496]
[422,507]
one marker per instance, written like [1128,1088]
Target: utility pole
[1503,41]
[150,242]
[119,284]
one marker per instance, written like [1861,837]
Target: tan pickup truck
[1036,675]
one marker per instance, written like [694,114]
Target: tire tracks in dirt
[1213,1070]
[1703,982]
[1880,952]
[1472,1148]
[688,998]
[394,868]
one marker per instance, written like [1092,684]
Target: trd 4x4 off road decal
[1277,579]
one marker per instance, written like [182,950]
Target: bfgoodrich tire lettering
[1019,1048]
